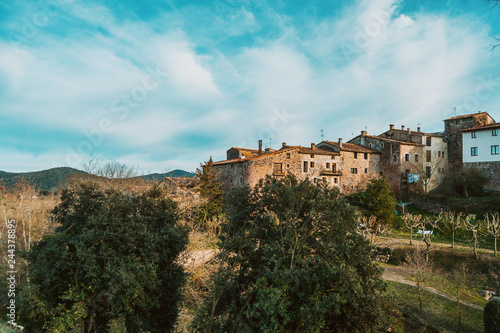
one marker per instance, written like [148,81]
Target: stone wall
[491,170]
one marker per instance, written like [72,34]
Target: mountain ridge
[54,178]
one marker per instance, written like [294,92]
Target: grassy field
[438,313]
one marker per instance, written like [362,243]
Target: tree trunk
[495,246]
[411,234]
[452,239]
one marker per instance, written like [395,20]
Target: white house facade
[481,144]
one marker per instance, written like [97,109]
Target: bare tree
[372,229]
[422,270]
[427,226]
[453,222]
[492,227]
[475,227]
[411,222]
[460,277]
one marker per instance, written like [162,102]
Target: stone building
[303,162]
[412,162]
[452,128]
[359,164]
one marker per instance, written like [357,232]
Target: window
[428,156]
[366,170]
[333,157]
[288,155]
[473,151]
[366,156]
[494,132]
[473,134]
[417,158]
[231,180]
[306,164]
[288,166]
[312,155]
[439,153]
[312,164]
[335,180]
[494,150]
[428,141]
[354,171]
[241,180]
[394,157]
[244,167]
[334,166]
[328,165]
[407,157]
[428,172]
[278,168]
[355,155]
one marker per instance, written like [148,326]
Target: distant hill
[174,173]
[55,178]
[43,180]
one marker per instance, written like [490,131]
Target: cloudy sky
[162,85]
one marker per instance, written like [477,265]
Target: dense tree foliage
[492,316]
[210,189]
[376,201]
[466,182]
[114,256]
[291,261]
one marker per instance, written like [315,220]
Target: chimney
[313,145]
[409,129]
[402,127]
[283,145]
[391,126]
[340,142]
[363,133]
[260,147]
[418,129]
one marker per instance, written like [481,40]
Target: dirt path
[399,274]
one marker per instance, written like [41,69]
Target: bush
[492,316]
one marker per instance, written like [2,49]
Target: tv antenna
[322,132]
[270,142]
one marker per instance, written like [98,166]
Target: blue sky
[165,85]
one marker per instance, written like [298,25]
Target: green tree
[379,200]
[291,261]
[210,189]
[492,316]
[114,256]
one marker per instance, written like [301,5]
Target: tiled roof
[419,132]
[393,140]
[481,127]
[352,147]
[251,158]
[468,116]
[316,151]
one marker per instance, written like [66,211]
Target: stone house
[359,164]
[304,162]
[412,162]
[452,128]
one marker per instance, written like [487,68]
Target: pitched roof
[481,127]
[352,147]
[314,151]
[469,116]
[390,140]
[439,134]
[251,158]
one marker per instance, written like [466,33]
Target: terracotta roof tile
[468,116]
[352,147]
[481,127]
[393,140]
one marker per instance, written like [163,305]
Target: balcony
[330,173]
